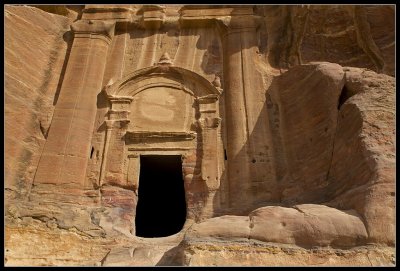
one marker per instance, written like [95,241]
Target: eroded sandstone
[286,159]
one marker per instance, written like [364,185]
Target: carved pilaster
[208,124]
[132,176]
[243,92]
[67,150]
[116,127]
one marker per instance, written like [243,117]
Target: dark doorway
[161,208]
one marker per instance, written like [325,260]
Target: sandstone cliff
[293,165]
[35,53]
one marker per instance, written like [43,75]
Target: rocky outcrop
[362,172]
[303,106]
[358,171]
[305,225]
[47,245]
[317,233]
[261,254]
[358,36]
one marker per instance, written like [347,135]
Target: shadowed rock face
[306,98]
[357,36]
[285,160]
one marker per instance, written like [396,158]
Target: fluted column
[67,149]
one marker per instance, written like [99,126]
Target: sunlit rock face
[195,135]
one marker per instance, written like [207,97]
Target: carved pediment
[162,98]
[162,75]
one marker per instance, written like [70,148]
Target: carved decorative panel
[161,109]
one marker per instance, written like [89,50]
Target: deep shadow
[174,256]
[68,38]
[344,96]
[161,208]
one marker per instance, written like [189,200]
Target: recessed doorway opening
[161,207]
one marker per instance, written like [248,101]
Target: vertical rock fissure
[244,91]
[343,92]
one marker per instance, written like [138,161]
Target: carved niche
[162,110]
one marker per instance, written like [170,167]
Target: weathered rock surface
[304,106]
[35,52]
[362,172]
[355,165]
[256,254]
[308,225]
[74,12]
[49,246]
[222,227]
[285,160]
[357,36]
[305,225]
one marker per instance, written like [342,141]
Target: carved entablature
[206,15]
[94,29]
[152,16]
[133,136]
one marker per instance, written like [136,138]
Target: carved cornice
[152,16]
[204,12]
[121,99]
[200,16]
[115,13]
[212,98]
[91,27]
[107,8]
[138,135]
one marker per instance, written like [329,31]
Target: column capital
[116,123]
[92,27]
[110,124]
[210,123]
[229,24]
